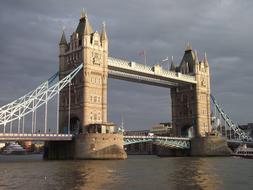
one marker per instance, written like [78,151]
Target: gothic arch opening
[75,125]
[187,131]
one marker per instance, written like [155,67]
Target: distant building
[162,129]
[137,133]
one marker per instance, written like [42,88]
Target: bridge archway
[187,131]
[75,125]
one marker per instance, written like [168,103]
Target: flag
[141,53]
[166,59]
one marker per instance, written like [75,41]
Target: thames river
[137,172]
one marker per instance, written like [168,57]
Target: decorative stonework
[89,89]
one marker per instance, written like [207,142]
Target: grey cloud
[30,32]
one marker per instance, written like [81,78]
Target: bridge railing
[156,70]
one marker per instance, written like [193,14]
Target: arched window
[91,118]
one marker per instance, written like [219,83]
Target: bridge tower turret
[202,90]
[63,46]
[84,101]
[191,103]
[88,91]
[95,73]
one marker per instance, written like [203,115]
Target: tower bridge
[83,130]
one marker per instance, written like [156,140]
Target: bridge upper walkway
[156,75]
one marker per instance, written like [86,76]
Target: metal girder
[34,99]
[242,135]
[172,142]
[134,141]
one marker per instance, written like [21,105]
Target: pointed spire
[186,67]
[172,66]
[103,33]
[205,59]
[196,57]
[83,14]
[188,47]
[84,26]
[87,29]
[63,38]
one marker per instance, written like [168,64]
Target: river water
[137,172]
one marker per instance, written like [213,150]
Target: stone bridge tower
[84,101]
[191,103]
[88,91]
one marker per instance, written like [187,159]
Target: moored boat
[13,148]
[244,151]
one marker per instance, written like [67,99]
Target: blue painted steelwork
[172,142]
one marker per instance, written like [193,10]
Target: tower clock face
[96,58]
[203,81]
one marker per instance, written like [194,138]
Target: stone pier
[87,146]
[209,146]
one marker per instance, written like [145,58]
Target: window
[99,116]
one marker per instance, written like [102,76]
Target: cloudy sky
[30,32]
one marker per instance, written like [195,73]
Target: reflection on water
[198,173]
[137,172]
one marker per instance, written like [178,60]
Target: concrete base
[87,146]
[209,146]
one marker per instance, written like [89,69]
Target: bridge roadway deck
[35,137]
[172,142]
[156,75]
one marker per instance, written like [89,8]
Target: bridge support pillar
[209,146]
[87,146]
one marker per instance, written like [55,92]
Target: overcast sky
[30,33]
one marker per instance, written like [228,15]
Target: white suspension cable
[236,130]
[69,107]
[12,111]
[57,112]
[23,128]
[46,114]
